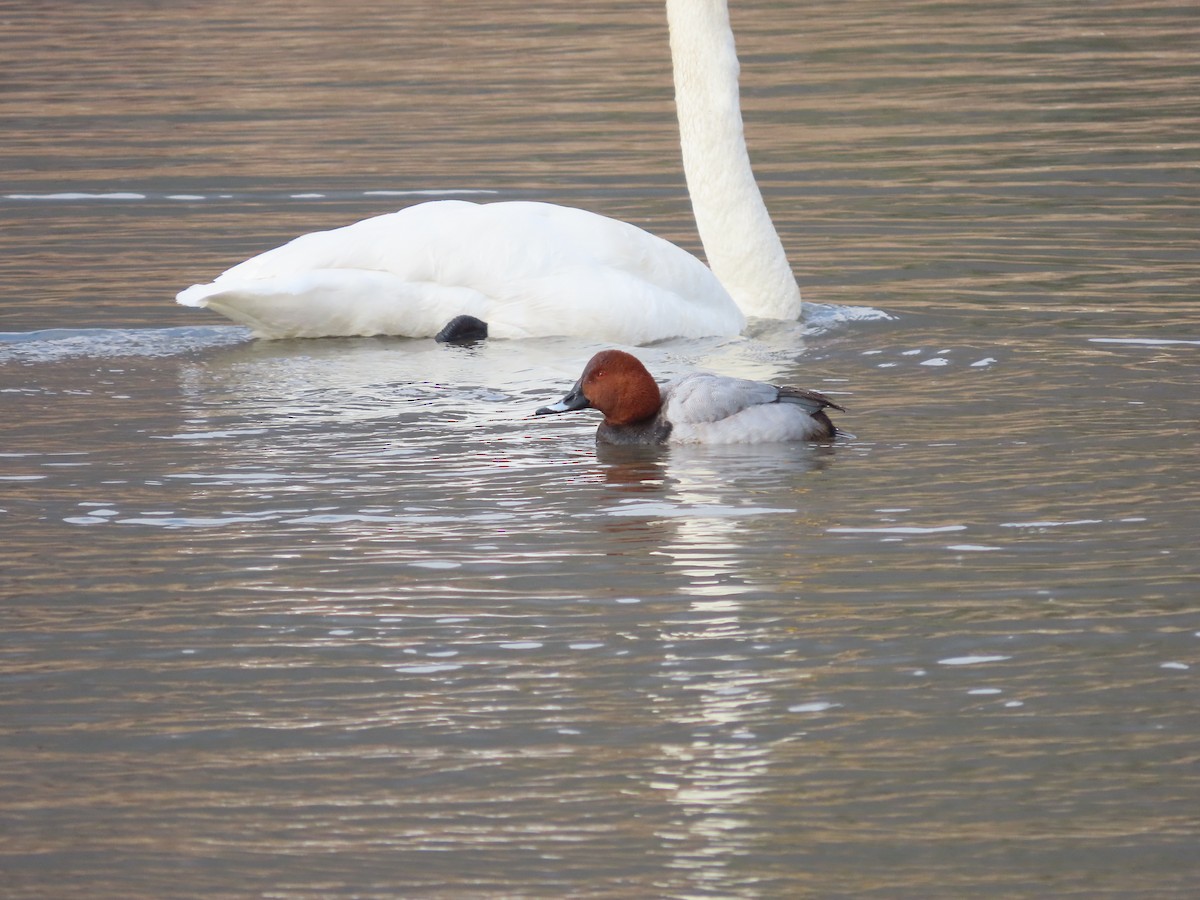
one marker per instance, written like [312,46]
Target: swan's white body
[527,269]
[535,269]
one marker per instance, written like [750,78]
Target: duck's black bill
[573,401]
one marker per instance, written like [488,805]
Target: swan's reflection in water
[250,374]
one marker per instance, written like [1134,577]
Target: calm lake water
[338,618]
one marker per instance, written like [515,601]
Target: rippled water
[339,618]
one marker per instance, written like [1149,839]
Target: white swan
[536,269]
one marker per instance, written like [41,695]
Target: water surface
[340,618]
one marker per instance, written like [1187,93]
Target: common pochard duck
[700,408]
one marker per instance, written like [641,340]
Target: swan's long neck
[742,246]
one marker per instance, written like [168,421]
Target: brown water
[338,618]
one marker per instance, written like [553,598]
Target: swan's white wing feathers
[528,269]
[325,302]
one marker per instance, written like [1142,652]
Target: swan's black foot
[462,330]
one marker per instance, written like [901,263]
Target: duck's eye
[599,373]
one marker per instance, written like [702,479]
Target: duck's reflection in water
[696,510]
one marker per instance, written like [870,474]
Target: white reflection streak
[706,548]
[713,784]
[712,779]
